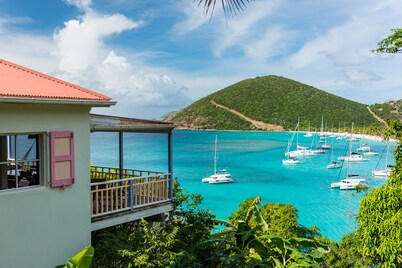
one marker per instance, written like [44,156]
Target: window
[20,159]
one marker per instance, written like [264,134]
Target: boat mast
[216,153]
[297,134]
[322,125]
[386,157]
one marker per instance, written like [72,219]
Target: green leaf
[83,259]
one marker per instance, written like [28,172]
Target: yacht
[354,157]
[350,183]
[387,170]
[382,172]
[334,165]
[300,150]
[219,176]
[290,161]
[364,148]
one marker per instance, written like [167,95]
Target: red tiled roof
[20,82]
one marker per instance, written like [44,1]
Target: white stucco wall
[43,226]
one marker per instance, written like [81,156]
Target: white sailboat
[353,156]
[288,160]
[308,134]
[333,164]
[352,180]
[300,150]
[350,183]
[219,176]
[387,170]
[365,147]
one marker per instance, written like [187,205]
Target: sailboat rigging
[219,176]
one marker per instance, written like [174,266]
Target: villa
[51,199]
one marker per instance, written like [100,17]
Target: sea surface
[254,161]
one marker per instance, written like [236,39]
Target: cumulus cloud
[80,42]
[360,76]
[121,79]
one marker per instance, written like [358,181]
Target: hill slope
[274,100]
[391,110]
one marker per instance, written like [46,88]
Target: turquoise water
[254,160]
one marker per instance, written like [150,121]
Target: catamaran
[352,180]
[288,160]
[300,150]
[353,156]
[219,176]
[387,170]
[350,183]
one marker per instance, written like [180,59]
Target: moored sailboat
[387,170]
[219,176]
[352,180]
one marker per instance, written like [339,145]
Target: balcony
[137,195]
[120,195]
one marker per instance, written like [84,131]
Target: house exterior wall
[42,226]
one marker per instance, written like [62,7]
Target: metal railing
[110,194]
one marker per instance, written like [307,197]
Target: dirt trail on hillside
[377,117]
[258,124]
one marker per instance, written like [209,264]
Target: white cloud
[81,42]
[269,44]
[360,76]
[121,80]
[195,18]
[81,4]
[29,50]
[245,28]
[350,42]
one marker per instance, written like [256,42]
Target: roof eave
[137,128]
[92,103]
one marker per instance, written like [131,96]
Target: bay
[254,161]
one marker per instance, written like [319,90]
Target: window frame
[40,161]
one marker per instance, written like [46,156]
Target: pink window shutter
[61,158]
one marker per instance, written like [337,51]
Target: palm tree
[230,7]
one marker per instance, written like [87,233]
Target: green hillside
[276,100]
[391,110]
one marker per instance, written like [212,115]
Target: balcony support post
[170,165]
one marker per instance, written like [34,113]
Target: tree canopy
[391,44]
[380,214]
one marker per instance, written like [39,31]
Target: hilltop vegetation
[391,110]
[275,100]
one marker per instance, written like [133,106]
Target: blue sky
[158,56]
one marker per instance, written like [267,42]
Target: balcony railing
[136,189]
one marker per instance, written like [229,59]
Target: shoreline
[343,134]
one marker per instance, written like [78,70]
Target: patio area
[119,194]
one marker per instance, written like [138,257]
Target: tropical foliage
[230,7]
[82,259]
[276,100]
[392,43]
[186,240]
[282,219]
[390,110]
[380,214]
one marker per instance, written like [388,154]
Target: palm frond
[230,7]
